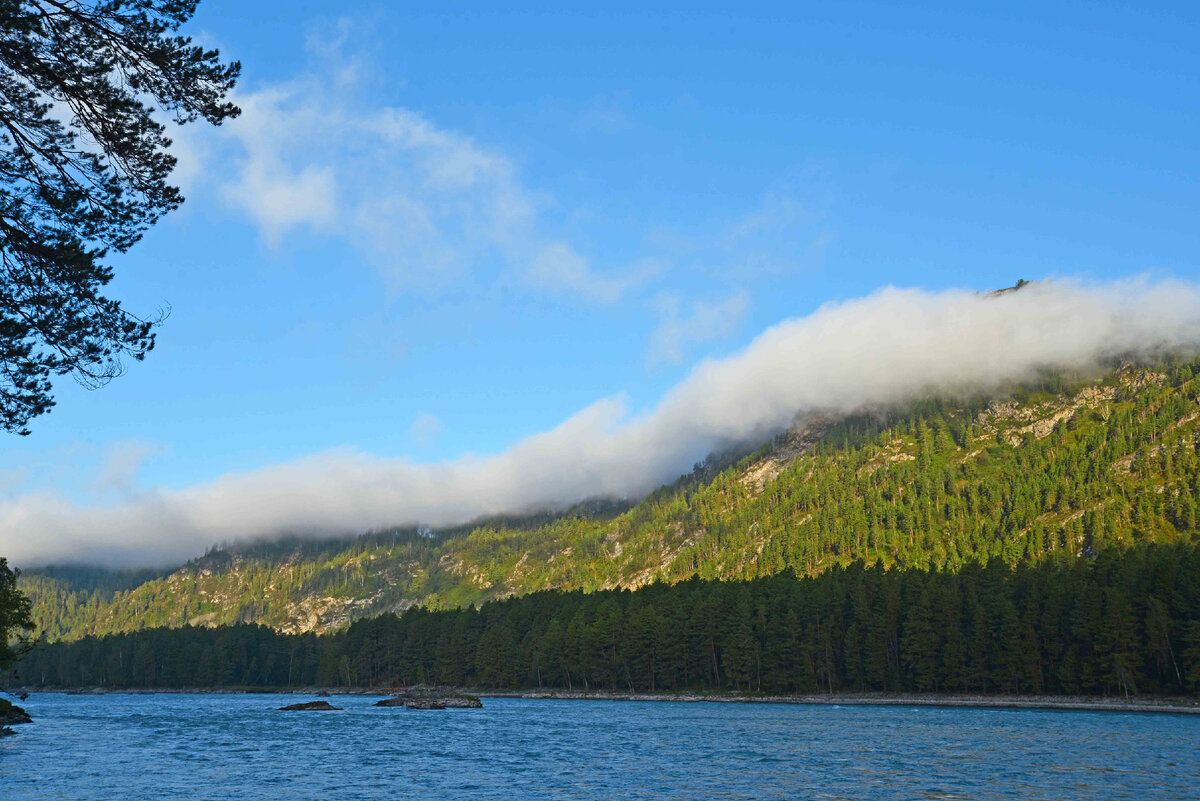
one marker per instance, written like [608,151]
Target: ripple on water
[239,747]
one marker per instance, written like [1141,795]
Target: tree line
[1121,623]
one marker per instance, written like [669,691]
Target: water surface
[131,747]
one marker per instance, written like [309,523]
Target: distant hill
[1068,466]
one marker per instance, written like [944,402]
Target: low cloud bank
[892,345]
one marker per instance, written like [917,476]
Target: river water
[129,747]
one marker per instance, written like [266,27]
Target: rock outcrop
[11,715]
[432,698]
[310,706]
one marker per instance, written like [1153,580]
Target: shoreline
[1147,705]
[1181,706]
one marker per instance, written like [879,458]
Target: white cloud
[278,184]
[703,322]
[421,202]
[786,232]
[425,428]
[559,268]
[13,481]
[192,149]
[119,465]
[893,345]
[606,114]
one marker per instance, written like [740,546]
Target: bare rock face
[800,440]
[432,698]
[310,706]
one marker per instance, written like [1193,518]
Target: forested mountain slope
[1066,468]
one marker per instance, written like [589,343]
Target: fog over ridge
[890,346]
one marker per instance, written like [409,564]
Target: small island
[311,706]
[421,697]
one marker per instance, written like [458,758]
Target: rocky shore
[1189,706]
[1186,706]
[322,692]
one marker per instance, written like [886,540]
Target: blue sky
[442,228]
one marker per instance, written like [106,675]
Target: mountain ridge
[830,490]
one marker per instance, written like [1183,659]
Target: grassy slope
[1065,468]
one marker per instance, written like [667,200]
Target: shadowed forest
[1122,623]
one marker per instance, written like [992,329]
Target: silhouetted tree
[84,164]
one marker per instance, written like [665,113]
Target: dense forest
[1118,623]
[1061,468]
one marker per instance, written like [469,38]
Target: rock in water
[425,704]
[432,698]
[310,706]
[11,714]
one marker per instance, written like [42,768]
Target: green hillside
[1066,468]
